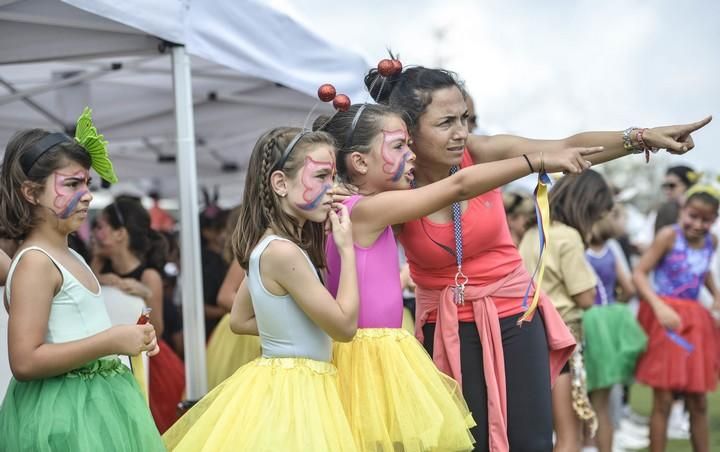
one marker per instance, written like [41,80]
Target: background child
[287,399]
[69,391]
[682,352]
[576,203]
[613,338]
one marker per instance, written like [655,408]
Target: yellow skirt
[408,322]
[396,399]
[269,404]
[227,352]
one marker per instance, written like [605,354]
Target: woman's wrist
[535,162]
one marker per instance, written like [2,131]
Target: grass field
[641,400]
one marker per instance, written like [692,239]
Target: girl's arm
[374,213]
[586,298]
[234,277]
[30,357]
[624,281]
[661,245]
[710,281]
[288,271]
[242,315]
[676,139]
[214,311]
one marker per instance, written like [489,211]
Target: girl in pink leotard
[392,392]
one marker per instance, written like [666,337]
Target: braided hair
[261,209]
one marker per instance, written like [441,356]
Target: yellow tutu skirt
[269,404]
[227,352]
[396,399]
[408,322]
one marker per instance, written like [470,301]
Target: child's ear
[279,183]
[29,192]
[358,163]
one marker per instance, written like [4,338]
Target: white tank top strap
[254,263]
[65,273]
[17,258]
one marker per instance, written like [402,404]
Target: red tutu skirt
[167,386]
[667,363]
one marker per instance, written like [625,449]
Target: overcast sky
[550,69]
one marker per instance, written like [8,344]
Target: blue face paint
[70,208]
[395,158]
[313,204]
[316,186]
[401,169]
[69,190]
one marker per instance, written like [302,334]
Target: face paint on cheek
[315,189]
[395,159]
[67,198]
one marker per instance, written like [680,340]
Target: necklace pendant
[459,294]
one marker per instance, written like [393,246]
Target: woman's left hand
[676,139]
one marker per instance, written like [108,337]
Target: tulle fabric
[396,399]
[167,386]
[666,364]
[227,352]
[98,407]
[408,321]
[269,404]
[613,342]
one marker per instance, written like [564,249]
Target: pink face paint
[69,190]
[395,157]
[315,182]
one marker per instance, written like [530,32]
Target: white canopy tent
[110,54]
[133,106]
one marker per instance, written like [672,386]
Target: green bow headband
[87,136]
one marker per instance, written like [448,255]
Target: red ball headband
[327,93]
[388,67]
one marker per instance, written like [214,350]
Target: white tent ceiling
[63,58]
[134,107]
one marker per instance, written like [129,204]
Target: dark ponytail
[410,91]
[145,243]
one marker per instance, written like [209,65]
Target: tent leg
[191,271]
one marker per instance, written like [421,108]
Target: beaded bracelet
[627,141]
[641,143]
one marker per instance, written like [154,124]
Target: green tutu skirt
[613,342]
[97,407]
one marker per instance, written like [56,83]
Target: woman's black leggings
[527,376]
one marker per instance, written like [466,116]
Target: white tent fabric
[254,69]
[133,107]
[246,36]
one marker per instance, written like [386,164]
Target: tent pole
[191,271]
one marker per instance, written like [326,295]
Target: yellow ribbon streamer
[138,370]
[542,212]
